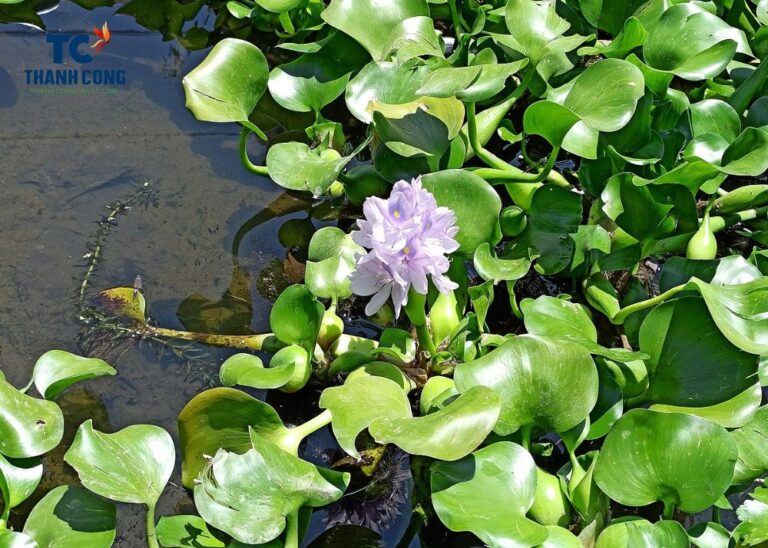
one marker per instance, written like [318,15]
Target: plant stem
[481,152]
[425,339]
[265,341]
[250,166]
[292,530]
[290,442]
[743,95]
[513,300]
[458,27]
[151,535]
[622,314]
[525,433]
[669,510]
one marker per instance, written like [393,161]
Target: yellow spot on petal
[406,250]
[397,214]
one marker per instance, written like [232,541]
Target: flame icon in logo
[103,35]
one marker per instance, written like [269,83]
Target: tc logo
[73,43]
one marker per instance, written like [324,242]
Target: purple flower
[408,236]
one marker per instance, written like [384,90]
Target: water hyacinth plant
[536,269]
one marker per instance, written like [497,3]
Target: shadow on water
[214,247]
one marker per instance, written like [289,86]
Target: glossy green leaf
[640,533]
[220,418]
[248,370]
[186,532]
[28,426]
[753,513]
[550,120]
[131,465]
[709,535]
[531,374]
[359,402]
[488,494]
[12,539]
[413,37]
[249,496]
[229,82]
[18,480]
[553,215]
[752,443]
[383,83]
[559,537]
[72,516]
[713,116]
[295,166]
[354,18]
[474,202]
[746,156]
[692,43]
[57,370]
[492,268]
[680,459]
[447,434]
[296,317]
[732,413]
[470,84]
[691,363]
[330,263]
[308,83]
[435,394]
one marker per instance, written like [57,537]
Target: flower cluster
[408,236]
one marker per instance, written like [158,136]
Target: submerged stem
[265,341]
[669,509]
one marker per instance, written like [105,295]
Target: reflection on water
[213,249]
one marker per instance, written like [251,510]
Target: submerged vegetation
[550,219]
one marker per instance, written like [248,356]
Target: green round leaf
[248,496]
[308,83]
[681,459]
[330,263]
[492,268]
[296,317]
[470,84]
[72,516]
[383,83]
[28,426]
[220,418]
[488,494]
[186,532]
[752,443]
[359,402]
[550,120]
[413,37]
[11,539]
[692,43]
[639,533]
[229,82]
[57,370]
[248,370]
[532,376]
[18,480]
[355,19]
[691,363]
[297,167]
[131,465]
[448,434]
[474,202]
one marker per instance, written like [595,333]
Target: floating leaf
[308,83]
[330,263]
[691,363]
[131,465]
[57,370]
[752,443]
[220,418]
[474,202]
[640,533]
[249,496]
[383,83]
[447,434]
[18,480]
[186,532]
[531,376]
[488,494]
[297,167]
[296,317]
[753,529]
[493,269]
[28,426]
[123,302]
[229,82]
[355,20]
[359,402]
[680,459]
[72,516]
[470,84]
